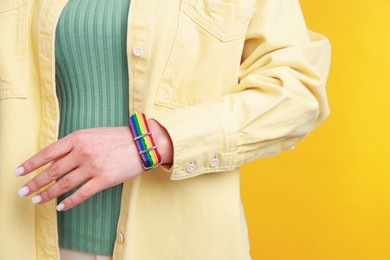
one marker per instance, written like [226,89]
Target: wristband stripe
[139,127]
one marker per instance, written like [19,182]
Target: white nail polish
[60,207]
[19,171]
[36,199]
[23,191]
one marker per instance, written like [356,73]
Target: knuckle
[96,165]
[73,138]
[84,193]
[86,151]
[110,180]
[33,185]
[65,183]
[46,195]
[77,135]
[70,201]
[47,154]
[89,151]
[53,171]
[28,165]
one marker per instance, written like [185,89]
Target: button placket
[120,238]
[138,51]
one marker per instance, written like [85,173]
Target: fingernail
[36,199]
[19,171]
[60,207]
[23,191]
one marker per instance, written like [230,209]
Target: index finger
[48,154]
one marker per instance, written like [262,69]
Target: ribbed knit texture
[92,88]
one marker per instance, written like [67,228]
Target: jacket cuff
[202,140]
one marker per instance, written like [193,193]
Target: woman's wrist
[162,140]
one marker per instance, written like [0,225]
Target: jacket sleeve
[279,99]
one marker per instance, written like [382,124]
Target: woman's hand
[100,157]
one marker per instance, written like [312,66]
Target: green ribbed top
[92,89]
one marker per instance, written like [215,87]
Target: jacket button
[120,238]
[138,51]
[214,163]
[191,167]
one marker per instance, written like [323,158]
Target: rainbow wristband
[147,149]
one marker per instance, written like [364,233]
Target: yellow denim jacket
[231,80]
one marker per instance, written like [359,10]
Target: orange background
[330,197]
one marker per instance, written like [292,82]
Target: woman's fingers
[50,153]
[101,157]
[55,171]
[66,183]
[86,191]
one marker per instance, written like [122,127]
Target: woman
[222,83]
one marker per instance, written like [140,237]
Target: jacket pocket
[13,49]
[225,20]
[206,53]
